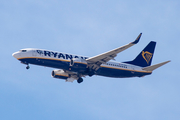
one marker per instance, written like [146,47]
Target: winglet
[137,39]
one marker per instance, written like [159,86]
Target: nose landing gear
[27,67]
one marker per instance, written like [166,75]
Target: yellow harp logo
[147,56]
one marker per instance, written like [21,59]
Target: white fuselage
[62,61]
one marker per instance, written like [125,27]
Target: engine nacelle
[59,74]
[77,60]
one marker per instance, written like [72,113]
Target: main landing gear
[80,80]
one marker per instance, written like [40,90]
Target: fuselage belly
[106,71]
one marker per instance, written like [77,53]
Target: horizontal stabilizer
[153,67]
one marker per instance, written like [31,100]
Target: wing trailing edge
[105,57]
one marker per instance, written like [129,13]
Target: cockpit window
[23,50]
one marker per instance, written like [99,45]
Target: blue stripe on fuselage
[119,73]
[82,68]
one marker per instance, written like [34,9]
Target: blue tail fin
[144,59]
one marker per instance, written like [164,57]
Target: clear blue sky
[89,28]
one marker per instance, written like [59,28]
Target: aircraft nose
[15,55]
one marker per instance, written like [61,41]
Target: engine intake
[75,60]
[59,74]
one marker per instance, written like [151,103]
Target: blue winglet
[137,39]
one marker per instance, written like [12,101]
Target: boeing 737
[73,67]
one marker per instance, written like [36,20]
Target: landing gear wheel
[27,67]
[80,80]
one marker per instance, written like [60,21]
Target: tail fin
[144,59]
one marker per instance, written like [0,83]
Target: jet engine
[77,60]
[61,74]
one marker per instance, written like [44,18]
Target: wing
[96,61]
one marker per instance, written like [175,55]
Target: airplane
[73,67]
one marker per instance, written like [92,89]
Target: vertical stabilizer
[144,59]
